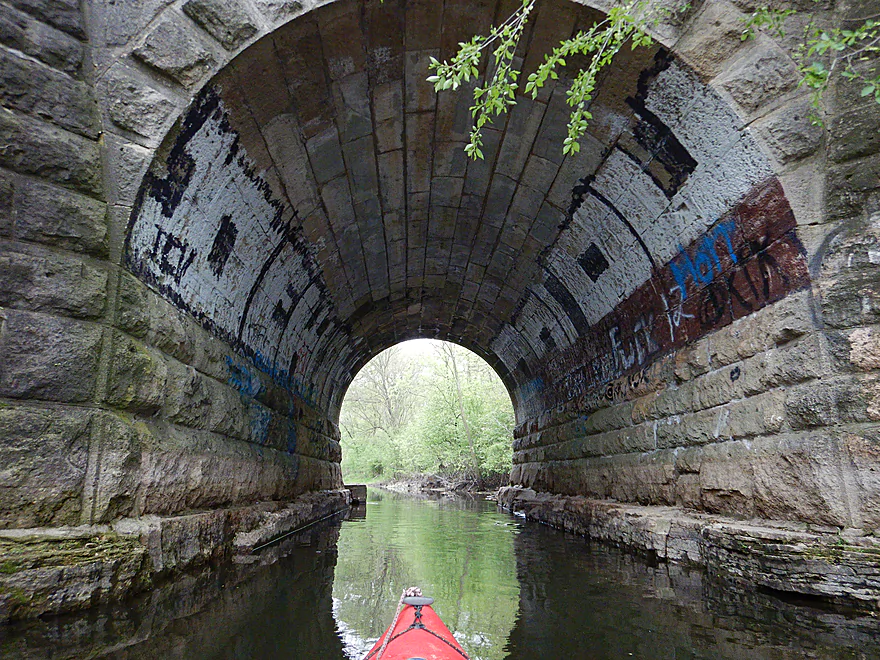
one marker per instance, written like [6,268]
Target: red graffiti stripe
[751,258]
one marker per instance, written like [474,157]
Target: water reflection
[279,607]
[508,589]
[581,600]
[460,552]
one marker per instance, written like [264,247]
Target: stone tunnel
[213,213]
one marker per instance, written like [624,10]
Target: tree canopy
[429,408]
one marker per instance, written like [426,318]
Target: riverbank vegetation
[426,407]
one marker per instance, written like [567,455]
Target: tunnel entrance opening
[684,312]
[427,408]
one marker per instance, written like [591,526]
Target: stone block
[798,477]
[65,15]
[325,155]
[853,188]
[794,363]
[863,452]
[115,24]
[44,93]
[48,358]
[351,95]
[522,127]
[726,481]
[33,147]
[132,311]
[59,217]
[854,134]
[391,174]
[199,402]
[171,330]
[127,164]
[184,469]
[44,453]
[278,10]
[228,21]
[36,39]
[759,77]
[360,161]
[137,378]
[42,281]
[177,50]
[789,131]
[114,464]
[7,191]
[419,94]
[711,38]
[135,105]
[717,387]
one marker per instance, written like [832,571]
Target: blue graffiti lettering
[706,263]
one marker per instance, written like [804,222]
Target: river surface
[508,589]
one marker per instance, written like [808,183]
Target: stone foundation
[64,569]
[796,558]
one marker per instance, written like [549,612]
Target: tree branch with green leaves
[822,54]
[852,53]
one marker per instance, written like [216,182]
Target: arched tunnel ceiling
[314,206]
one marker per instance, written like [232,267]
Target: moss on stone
[18,555]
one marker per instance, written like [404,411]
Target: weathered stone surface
[789,132]
[230,23]
[32,147]
[7,190]
[853,134]
[56,216]
[46,94]
[49,358]
[711,38]
[135,105]
[62,14]
[785,557]
[52,574]
[138,376]
[51,571]
[200,402]
[128,161]
[277,10]
[44,453]
[28,35]
[760,76]
[42,281]
[174,49]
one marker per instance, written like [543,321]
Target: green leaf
[867,90]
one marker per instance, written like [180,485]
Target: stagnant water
[506,588]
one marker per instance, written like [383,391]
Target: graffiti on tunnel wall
[748,260]
[206,251]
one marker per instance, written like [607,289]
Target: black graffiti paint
[593,262]
[224,241]
[656,138]
[569,305]
[172,254]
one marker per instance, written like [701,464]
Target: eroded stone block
[229,22]
[48,358]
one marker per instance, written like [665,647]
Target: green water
[461,553]
[506,588]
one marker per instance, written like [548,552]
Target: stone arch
[357,90]
[753,395]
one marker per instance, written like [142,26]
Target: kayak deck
[418,633]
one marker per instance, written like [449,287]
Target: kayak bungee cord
[415,593]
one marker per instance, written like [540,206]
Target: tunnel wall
[753,396]
[113,402]
[741,387]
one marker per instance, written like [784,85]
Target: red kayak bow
[417,633]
